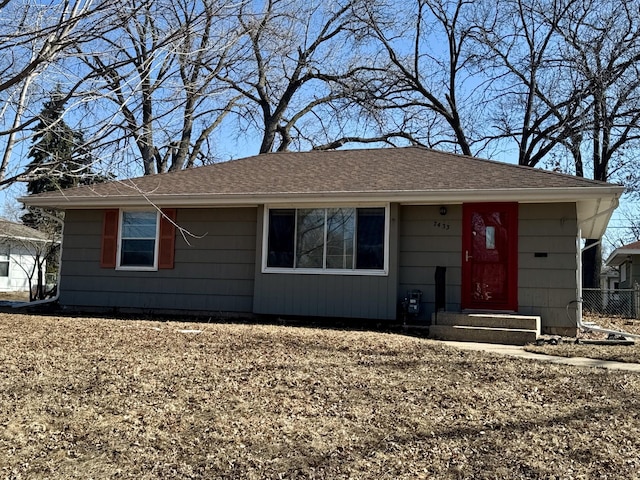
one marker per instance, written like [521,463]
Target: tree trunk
[591,264]
[40,285]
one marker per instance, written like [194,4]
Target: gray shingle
[12,230]
[410,169]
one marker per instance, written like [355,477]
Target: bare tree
[157,74]
[535,101]
[33,38]
[302,67]
[428,90]
[602,51]
[564,78]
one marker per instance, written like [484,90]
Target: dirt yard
[100,398]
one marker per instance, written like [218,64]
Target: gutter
[542,195]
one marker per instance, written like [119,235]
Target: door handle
[467,256]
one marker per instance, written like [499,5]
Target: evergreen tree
[59,160]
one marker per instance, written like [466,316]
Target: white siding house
[19,248]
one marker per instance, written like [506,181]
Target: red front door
[490,256]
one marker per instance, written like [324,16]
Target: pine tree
[59,160]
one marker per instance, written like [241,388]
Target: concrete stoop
[507,329]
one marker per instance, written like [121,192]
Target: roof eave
[540,195]
[27,239]
[594,204]
[619,255]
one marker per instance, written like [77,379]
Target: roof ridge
[514,165]
[439,152]
[457,156]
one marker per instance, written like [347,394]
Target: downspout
[590,326]
[57,295]
[578,280]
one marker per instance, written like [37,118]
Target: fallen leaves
[615,353]
[100,398]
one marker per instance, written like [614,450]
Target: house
[333,234]
[627,260]
[20,247]
[609,278]
[609,299]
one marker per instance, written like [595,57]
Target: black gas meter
[412,302]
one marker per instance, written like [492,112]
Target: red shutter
[109,239]
[167,238]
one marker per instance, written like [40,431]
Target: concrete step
[465,333]
[490,320]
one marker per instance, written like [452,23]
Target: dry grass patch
[14,296]
[91,398]
[614,353]
[626,353]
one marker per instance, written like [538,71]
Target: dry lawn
[99,398]
[14,296]
[626,353]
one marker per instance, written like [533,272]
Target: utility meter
[413,302]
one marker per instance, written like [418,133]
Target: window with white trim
[138,239]
[331,240]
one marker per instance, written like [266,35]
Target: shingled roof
[411,175]
[620,254]
[19,231]
[365,172]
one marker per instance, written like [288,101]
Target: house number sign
[442,225]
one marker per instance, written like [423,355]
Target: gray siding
[356,296]
[221,271]
[632,267]
[213,273]
[546,285]
[428,240]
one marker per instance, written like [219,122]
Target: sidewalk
[519,352]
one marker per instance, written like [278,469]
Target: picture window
[326,239]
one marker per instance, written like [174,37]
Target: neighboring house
[333,234]
[627,260]
[19,246]
[608,298]
[609,278]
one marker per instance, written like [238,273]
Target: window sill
[137,269]
[326,271]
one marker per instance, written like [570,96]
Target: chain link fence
[618,303]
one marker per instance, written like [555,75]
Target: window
[326,239]
[138,235]
[138,239]
[4,261]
